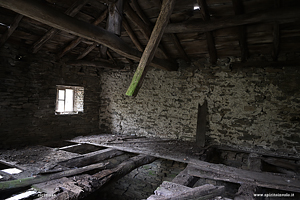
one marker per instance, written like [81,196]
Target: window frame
[64,87]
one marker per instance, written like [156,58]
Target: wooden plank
[183,178]
[114,22]
[132,35]
[209,35]
[43,13]
[19,183]
[201,124]
[72,11]
[78,40]
[10,29]
[239,10]
[283,15]
[90,158]
[172,191]
[151,47]
[235,175]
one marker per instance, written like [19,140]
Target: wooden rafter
[132,35]
[276,34]
[175,39]
[148,55]
[98,64]
[144,28]
[283,15]
[10,29]
[71,11]
[87,50]
[209,35]
[239,10]
[46,14]
[78,40]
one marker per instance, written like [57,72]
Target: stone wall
[28,95]
[250,107]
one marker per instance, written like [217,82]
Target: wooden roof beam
[43,13]
[87,50]
[148,55]
[72,11]
[144,28]
[209,35]
[282,15]
[114,22]
[78,40]
[132,35]
[239,10]
[10,29]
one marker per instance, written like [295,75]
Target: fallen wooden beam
[71,11]
[282,15]
[19,183]
[148,55]
[172,191]
[43,13]
[10,29]
[89,158]
[235,175]
[183,178]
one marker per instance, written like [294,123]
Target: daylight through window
[69,99]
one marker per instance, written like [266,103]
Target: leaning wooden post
[151,47]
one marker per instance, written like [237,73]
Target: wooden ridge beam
[43,13]
[144,28]
[209,35]
[282,15]
[71,11]
[78,40]
[239,10]
[148,55]
[10,29]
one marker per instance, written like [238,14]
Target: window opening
[69,100]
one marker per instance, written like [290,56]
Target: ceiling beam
[282,15]
[71,11]
[148,55]
[10,29]
[238,7]
[132,35]
[87,50]
[98,64]
[209,35]
[78,40]
[114,22]
[144,28]
[43,13]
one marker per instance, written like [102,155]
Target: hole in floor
[9,169]
[58,144]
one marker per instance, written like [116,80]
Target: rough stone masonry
[253,107]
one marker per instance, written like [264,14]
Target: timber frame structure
[96,33]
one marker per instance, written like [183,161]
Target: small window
[69,100]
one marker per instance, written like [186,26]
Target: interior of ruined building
[156,99]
